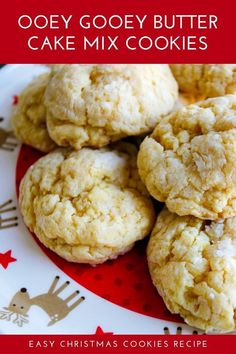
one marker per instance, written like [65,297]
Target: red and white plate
[42,293]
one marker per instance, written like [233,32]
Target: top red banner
[117,31]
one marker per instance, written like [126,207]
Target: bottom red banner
[108,343]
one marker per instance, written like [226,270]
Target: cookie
[88,206]
[93,105]
[55,67]
[203,81]
[192,263]
[29,116]
[189,161]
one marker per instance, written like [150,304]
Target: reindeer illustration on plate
[7,139]
[7,222]
[50,302]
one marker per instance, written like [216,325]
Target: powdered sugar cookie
[93,105]
[192,263]
[29,116]
[87,206]
[189,161]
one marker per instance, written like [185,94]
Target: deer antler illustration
[7,140]
[20,320]
[7,222]
[50,302]
[6,315]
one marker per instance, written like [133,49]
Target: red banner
[117,31]
[196,344]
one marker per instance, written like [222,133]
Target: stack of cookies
[189,162]
[89,198]
[85,199]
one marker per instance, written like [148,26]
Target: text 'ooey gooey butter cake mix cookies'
[192,263]
[89,205]
[189,161]
[93,105]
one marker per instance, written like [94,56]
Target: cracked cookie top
[189,161]
[93,105]
[192,263]
[89,205]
